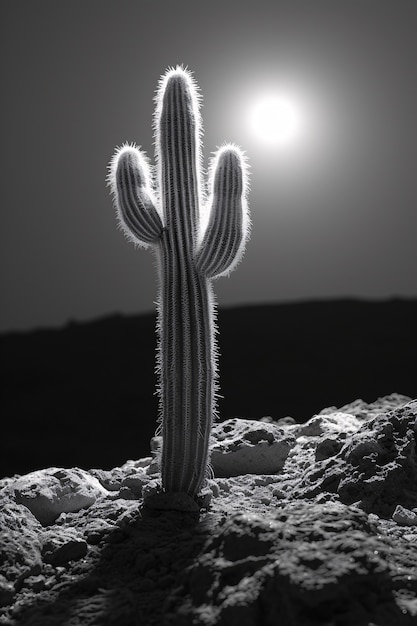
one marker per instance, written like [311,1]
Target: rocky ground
[309,524]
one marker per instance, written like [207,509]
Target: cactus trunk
[187,371]
[185,321]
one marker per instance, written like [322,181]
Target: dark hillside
[83,395]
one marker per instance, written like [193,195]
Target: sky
[333,182]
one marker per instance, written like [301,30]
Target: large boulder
[376,467]
[48,493]
[241,446]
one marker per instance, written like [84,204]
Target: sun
[275,120]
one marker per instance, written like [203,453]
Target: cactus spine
[196,239]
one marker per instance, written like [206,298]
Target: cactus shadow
[134,576]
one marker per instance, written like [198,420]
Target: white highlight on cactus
[142,187]
[195,103]
[206,210]
[275,120]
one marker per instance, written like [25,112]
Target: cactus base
[158,500]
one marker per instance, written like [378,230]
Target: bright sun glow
[275,120]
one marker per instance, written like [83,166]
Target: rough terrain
[309,524]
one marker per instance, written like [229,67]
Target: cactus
[197,236]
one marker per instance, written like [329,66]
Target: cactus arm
[187,378]
[225,237]
[131,186]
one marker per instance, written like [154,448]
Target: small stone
[127,494]
[109,479]
[58,549]
[327,447]
[404,516]
[97,531]
[286,421]
[156,443]
[36,583]
[135,483]
[60,571]
[268,419]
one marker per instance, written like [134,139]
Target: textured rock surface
[298,566]
[375,468]
[329,538]
[47,493]
[20,547]
[248,447]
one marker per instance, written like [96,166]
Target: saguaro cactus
[197,236]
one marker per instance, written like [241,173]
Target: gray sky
[334,209]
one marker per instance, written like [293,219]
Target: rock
[109,479]
[47,493]
[328,446]
[20,548]
[242,446]
[36,583]
[376,467]
[365,410]
[404,517]
[97,531]
[381,462]
[135,482]
[61,546]
[331,424]
[113,479]
[303,564]
[286,421]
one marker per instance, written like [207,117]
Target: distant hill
[83,395]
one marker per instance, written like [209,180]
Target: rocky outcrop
[326,536]
[375,467]
[307,564]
